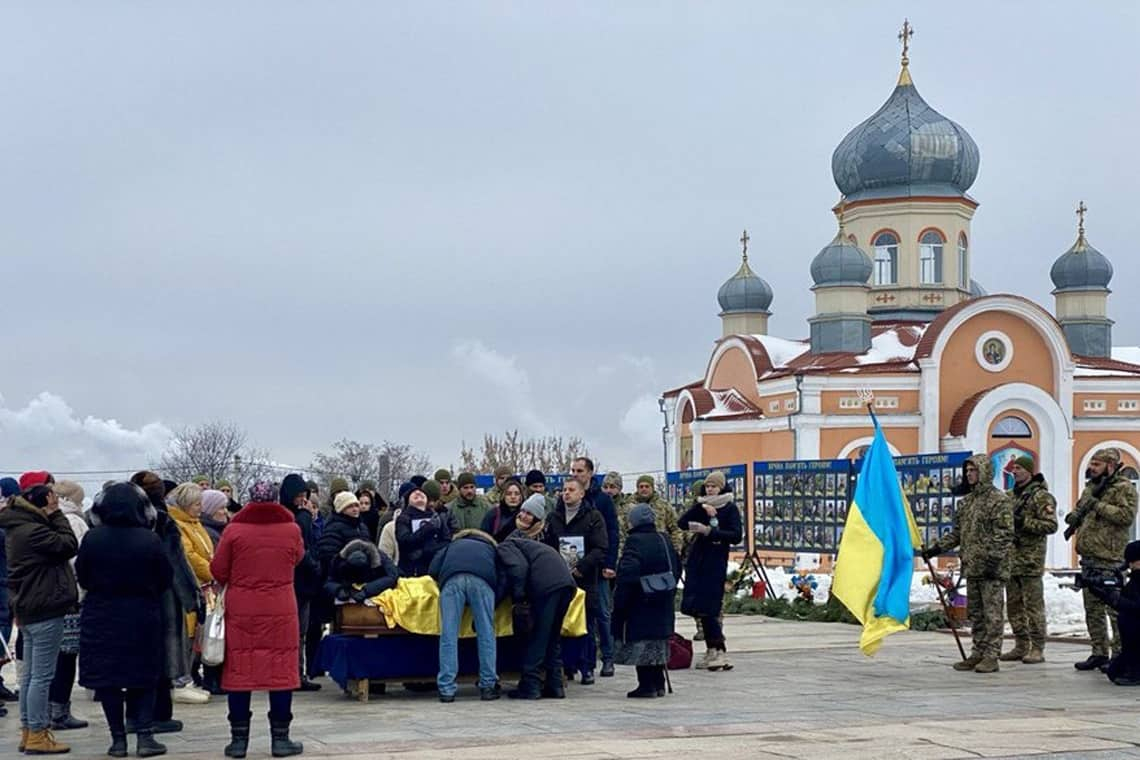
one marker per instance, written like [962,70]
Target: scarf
[715,501]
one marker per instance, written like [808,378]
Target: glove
[1069,531]
[699,528]
[437,522]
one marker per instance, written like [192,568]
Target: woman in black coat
[643,622]
[715,522]
[342,527]
[124,569]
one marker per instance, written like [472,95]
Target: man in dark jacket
[307,575]
[577,530]
[467,576]
[537,577]
[1124,669]
[39,543]
[582,469]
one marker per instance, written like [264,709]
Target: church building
[900,313]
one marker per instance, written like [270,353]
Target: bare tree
[551,453]
[219,450]
[357,461]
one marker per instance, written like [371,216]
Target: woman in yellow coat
[184,504]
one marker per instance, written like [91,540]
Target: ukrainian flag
[876,555]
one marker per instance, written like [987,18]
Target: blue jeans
[605,616]
[41,648]
[461,591]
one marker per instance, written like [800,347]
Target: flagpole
[870,399]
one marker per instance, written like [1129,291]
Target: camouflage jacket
[983,527]
[1034,520]
[664,520]
[1105,516]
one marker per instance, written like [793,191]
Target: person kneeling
[643,618]
[1124,669]
[467,575]
[359,572]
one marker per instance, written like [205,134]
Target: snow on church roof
[1125,362]
[892,350]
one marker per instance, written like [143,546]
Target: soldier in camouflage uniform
[983,528]
[1034,520]
[612,484]
[1102,520]
[495,493]
[664,518]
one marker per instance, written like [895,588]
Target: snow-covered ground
[1063,607]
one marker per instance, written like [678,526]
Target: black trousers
[163,705]
[544,648]
[60,690]
[280,704]
[650,678]
[313,635]
[139,705]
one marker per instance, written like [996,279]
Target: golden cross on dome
[904,37]
[744,242]
[1081,210]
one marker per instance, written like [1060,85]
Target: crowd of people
[117,594]
[1001,538]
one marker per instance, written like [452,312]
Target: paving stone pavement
[799,690]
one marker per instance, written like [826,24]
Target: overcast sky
[425,221]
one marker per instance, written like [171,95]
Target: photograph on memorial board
[830,488]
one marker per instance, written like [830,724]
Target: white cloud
[503,372]
[47,434]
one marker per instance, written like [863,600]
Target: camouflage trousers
[1096,611]
[1025,605]
[985,606]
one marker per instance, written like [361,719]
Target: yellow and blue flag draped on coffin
[875,562]
[414,606]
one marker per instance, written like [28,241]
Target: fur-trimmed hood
[360,545]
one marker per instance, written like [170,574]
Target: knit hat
[70,490]
[441,475]
[465,479]
[647,479]
[406,488]
[1025,462]
[198,479]
[33,479]
[1108,455]
[312,486]
[418,480]
[336,485]
[716,478]
[612,479]
[263,491]
[9,487]
[503,471]
[535,505]
[1132,552]
[431,489]
[640,515]
[213,500]
[344,500]
[367,485]
[534,477]
[223,483]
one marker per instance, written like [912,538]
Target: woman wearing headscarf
[714,520]
[125,572]
[255,561]
[643,619]
[70,496]
[180,599]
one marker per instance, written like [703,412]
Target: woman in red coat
[255,561]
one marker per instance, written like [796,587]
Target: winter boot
[43,743]
[62,719]
[118,746]
[987,665]
[1036,655]
[239,735]
[553,688]
[645,689]
[23,739]
[1020,649]
[1092,663]
[719,661]
[279,731]
[703,663]
[147,746]
[969,663]
[659,681]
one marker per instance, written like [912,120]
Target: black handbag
[660,583]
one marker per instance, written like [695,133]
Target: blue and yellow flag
[876,555]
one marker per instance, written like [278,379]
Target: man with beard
[983,528]
[1102,520]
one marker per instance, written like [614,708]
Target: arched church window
[963,249]
[886,259]
[1012,427]
[930,257]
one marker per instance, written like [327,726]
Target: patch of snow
[886,347]
[1130,354]
[780,350]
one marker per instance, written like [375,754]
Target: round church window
[994,351]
